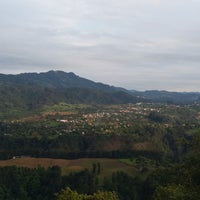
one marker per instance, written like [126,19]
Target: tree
[69,194]
[94,166]
[98,168]
[170,192]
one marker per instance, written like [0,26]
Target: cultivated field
[108,166]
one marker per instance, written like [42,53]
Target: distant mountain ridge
[168,97]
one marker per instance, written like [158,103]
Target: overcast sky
[136,44]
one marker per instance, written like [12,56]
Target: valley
[88,136]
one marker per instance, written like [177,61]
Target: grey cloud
[147,44]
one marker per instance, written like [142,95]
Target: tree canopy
[68,194]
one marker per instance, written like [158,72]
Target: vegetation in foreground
[177,181]
[69,194]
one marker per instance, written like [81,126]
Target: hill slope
[54,79]
[29,92]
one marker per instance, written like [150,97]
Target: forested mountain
[168,97]
[25,93]
[54,79]
[28,93]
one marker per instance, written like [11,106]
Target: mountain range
[163,96]
[30,92]
[54,79]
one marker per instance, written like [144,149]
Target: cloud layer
[146,44]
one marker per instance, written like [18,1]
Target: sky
[135,44]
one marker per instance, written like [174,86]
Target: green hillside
[27,94]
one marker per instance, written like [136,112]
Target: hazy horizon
[100,81]
[139,45]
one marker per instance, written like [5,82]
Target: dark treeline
[38,140]
[178,182]
[72,146]
[27,184]
[41,184]
[41,139]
